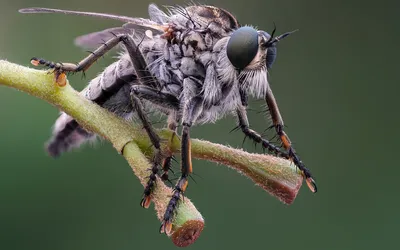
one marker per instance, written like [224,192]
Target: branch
[277,176]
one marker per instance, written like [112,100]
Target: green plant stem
[277,176]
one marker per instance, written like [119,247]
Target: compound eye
[242,47]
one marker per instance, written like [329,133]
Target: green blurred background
[336,83]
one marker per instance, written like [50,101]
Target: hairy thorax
[189,60]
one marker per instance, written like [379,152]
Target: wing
[157,15]
[95,39]
[92,40]
[139,21]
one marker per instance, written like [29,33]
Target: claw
[166,227]
[311,184]
[146,202]
[35,61]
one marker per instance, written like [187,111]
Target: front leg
[278,124]
[191,110]
[290,155]
[245,127]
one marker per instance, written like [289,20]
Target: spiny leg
[290,155]
[244,126]
[84,64]
[155,140]
[180,187]
[139,65]
[278,124]
[165,101]
[136,56]
[191,110]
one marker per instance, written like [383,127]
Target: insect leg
[278,124]
[84,64]
[191,111]
[164,100]
[156,97]
[137,59]
[139,66]
[155,140]
[244,126]
[151,94]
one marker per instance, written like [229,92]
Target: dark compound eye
[271,55]
[242,47]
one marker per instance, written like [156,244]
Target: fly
[193,64]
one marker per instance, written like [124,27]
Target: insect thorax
[189,59]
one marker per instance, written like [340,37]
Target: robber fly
[194,64]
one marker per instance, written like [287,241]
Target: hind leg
[155,140]
[166,101]
[134,52]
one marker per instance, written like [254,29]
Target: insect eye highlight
[242,47]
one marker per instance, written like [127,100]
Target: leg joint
[187,124]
